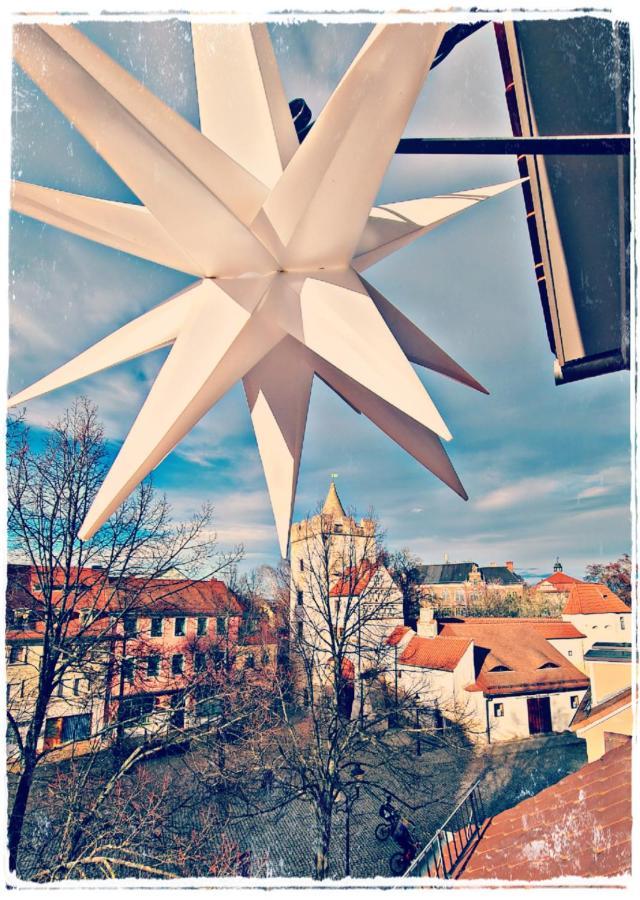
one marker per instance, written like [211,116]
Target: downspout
[488,721]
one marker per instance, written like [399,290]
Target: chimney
[509,565]
[427,625]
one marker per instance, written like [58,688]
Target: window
[337,528]
[250,662]
[177,664]
[60,689]
[622,625]
[128,669]
[265,658]
[76,728]
[302,565]
[300,630]
[180,628]
[76,687]
[136,710]
[130,625]
[199,662]
[221,625]
[498,710]
[300,598]
[202,625]
[153,666]
[17,654]
[501,669]
[575,701]
[156,627]
[549,665]
[569,652]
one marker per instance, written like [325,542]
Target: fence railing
[439,858]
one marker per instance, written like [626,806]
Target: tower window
[300,598]
[302,565]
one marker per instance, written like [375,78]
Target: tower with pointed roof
[350,541]
[323,548]
[557,566]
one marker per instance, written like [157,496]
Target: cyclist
[387,811]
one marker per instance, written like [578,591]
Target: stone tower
[329,540]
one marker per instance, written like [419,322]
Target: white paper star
[277,233]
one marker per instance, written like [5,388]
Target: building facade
[144,663]
[466,585]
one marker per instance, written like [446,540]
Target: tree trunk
[322,853]
[16,820]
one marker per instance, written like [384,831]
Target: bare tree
[404,568]
[326,739]
[150,825]
[83,590]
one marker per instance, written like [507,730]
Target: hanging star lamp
[278,234]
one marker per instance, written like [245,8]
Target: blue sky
[546,467]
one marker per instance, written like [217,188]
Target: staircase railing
[456,836]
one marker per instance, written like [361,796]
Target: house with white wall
[598,613]
[523,685]
[434,670]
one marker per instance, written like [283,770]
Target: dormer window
[500,669]
[549,665]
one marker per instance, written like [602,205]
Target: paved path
[282,844]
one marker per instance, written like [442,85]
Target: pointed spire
[332,505]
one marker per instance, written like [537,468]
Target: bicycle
[399,862]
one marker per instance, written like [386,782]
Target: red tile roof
[587,715]
[354,580]
[397,634]
[588,599]
[512,656]
[551,629]
[442,653]
[165,596]
[560,580]
[579,827]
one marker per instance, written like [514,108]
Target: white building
[598,613]
[343,602]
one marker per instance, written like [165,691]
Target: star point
[277,233]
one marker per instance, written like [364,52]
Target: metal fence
[450,843]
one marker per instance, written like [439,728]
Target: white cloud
[522,492]
[595,491]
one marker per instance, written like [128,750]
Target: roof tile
[567,829]
[442,653]
[589,598]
